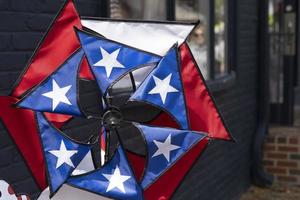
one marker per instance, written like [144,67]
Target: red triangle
[137,163]
[165,186]
[202,111]
[21,125]
[58,44]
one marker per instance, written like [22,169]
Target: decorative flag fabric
[21,125]
[103,145]
[114,180]
[169,80]
[163,88]
[57,45]
[59,92]
[85,165]
[136,34]
[62,155]
[50,54]
[201,108]
[163,188]
[110,60]
[150,36]
[165,146]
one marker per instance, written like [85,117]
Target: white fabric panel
[140,74]
[67,192]
[85,165]
[153,37]
[124,82]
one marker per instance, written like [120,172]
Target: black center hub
[112,117]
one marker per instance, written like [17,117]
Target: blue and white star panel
[163,88]
[165,146]
[111,60]
[58,93]
[114,180]
[62,155]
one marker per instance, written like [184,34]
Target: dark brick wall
[22,25]
[223,172]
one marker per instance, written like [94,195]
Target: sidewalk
[276,192]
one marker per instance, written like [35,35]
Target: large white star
[58,94]
[116,180]
[63,155]
[165,148]
[163,87]
[109,61]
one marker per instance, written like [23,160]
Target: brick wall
[282,155]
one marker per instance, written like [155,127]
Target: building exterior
[236,47]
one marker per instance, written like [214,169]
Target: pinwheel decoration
[154,112]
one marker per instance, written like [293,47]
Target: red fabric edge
[165,186]
[202,111]
[21,126]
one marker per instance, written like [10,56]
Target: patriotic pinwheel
[154,113]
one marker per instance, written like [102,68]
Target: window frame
[228,79]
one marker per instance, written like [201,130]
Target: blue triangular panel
[58,93]
[110,60]
[62,155]
[114,180]
[163,88]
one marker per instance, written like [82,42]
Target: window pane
[198,42]
[139,9]
[220,35]
[275,29]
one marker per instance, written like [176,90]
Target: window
[139,9]
[208,41]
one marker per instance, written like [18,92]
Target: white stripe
[67,192]
[153,37]
[85,165]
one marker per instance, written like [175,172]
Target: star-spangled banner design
[62,155]
[114,180]
[165,147]
[111,60]
[163,88]
[57,93]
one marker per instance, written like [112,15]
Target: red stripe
[59,43]
[137,163]
[58,119]
[202,111]
[85,71]
[166,185]
[164,120]
[22,127]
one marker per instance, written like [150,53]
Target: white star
[116,180]
[109,61]
[58,94]
[165,148]
[63,155]
[162,87]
